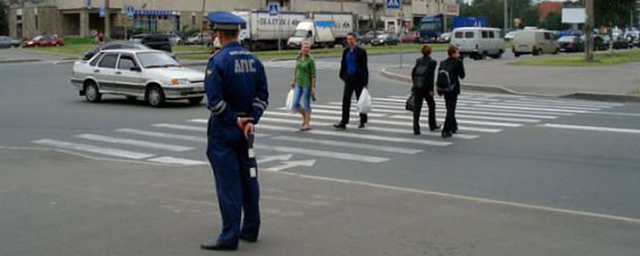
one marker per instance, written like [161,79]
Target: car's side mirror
[136,69]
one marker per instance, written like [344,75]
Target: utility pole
[506,18]
[204,3]
[107,20]
[589,23]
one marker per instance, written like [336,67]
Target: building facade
[84,18]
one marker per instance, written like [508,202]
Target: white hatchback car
[149,74]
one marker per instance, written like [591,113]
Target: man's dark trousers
[450,123]
[351,84]
[419,97]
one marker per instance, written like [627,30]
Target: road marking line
[322,111]
[440,111]
[464,121]
[470,108]
[515,104]
[538,109]
[322,153]
[183,127]
[386,122]
[591,128]
[176,160]
[360,136]
[350,145]
[93,149]
[576,103]
[396,101]
[470,198]
[163,135]
[137,143]
[614,113]
[291,121]
[468,98]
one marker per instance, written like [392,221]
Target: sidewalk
[618,82]
[18,55]
[60,204]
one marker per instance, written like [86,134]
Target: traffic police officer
[236,87]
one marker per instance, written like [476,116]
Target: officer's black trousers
[450,123]
[419,97]
[350,86]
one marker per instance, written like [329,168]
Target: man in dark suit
[355,74]
[423,74]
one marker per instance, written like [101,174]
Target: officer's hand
[243,121]
[248,129]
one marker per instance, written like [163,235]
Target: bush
[189,31]
[78,40]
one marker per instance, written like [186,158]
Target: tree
[493,10]
[552,22]
[614,12]
[4,22]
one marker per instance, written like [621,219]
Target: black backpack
[420,74]
[444,84]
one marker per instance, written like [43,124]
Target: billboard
[574,15]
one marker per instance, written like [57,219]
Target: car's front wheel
[195,101]
[91,92]
[155,96]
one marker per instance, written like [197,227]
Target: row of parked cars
[38,41]
[384,38]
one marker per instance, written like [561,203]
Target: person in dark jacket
[423,74]
[455,67]
[355,74]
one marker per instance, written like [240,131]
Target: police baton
[253,164]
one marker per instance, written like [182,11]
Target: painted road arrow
[291,164]
[267,159]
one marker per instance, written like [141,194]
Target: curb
[20,61]
[596,96]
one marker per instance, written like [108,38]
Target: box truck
[323,30]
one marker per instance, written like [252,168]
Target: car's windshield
[156,60]
[566,39]
[382,36]
[301,33]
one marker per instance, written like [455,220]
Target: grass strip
[578,60]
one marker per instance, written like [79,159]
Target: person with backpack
[304,84]
[422,75]
[448,84]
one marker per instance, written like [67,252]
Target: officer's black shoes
[416,133]
[446,134]
[454,131]
[340,126]
[215,246]
[361,126]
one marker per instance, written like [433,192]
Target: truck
[323,29]
[265,31]
[465,22]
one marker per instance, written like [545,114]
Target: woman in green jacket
[304,84]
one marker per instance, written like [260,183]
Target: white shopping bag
[364,103]
[289,102]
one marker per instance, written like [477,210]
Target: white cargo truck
[264,31]
[323,29]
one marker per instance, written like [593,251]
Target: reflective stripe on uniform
[219,108]
[260,104]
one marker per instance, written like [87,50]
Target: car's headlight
[180,81]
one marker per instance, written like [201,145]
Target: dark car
[621,43]
[571,44]
[44,40]
[411,37]
[601,43]
[385,39]
[113,46]
[367,37]
[154,41]
[7,42]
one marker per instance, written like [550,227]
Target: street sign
[102,11]
[88,4]
[273,9]
[129,10]
[393,4]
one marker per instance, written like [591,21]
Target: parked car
[153,41]
[8,42]
[411,37]
[200,38]
[385,39]
[175,38]
[621,43]
[367,37]
[148,74]
[444,38]
[114,46]
[600,43]
[478,42]
[44,40]
[510,35]
[633,36]
[571,44]
[534,42]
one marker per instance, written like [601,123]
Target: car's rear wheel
[155,96]
[196,100]
[91,92]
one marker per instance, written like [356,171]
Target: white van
[478,42]
[318,33]
[535,42]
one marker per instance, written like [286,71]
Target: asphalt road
[567,155]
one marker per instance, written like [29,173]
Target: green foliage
[189,31]
[78,40]
[614,12]
[577,60]
[552,22]
[4,22]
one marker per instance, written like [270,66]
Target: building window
[18,17]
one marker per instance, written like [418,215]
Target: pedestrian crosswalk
[387,136]
[320,65]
